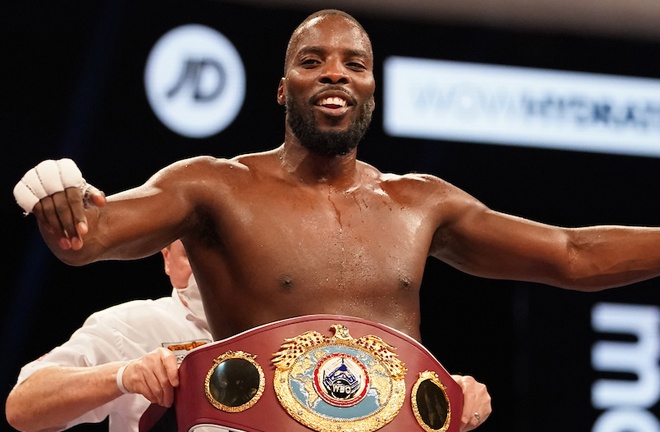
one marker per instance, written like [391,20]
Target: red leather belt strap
[192,405]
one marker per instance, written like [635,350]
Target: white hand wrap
[45,179]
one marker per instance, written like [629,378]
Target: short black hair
[317,14]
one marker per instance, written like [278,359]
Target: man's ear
[281,92]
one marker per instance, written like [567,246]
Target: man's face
[329,85]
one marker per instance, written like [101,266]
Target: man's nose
[334,72]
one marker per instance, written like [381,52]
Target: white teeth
[333,101]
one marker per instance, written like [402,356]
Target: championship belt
[317,372]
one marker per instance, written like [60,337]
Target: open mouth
[334,106]
[333,102]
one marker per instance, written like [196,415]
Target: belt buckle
[338,382]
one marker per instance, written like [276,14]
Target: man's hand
[476,402]
[56,192]
[154,376]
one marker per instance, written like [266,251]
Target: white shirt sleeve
[98,341]
[123,332]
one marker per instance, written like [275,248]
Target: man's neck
[340,172]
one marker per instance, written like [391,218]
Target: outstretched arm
[132,224]
[483,242]
[55,396]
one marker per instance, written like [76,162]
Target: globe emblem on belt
[341,380]
[339,383]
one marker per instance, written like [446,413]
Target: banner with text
[435,99]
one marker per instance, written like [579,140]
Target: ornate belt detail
[338,382]
[313,381]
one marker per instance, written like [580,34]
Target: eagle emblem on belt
[328,381]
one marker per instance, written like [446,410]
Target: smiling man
[307,228]
[342,119]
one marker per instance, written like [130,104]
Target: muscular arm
[483,242]
[132,224]
[55,396]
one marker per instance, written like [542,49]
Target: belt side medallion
[337,382]
[235,382]
[430,403]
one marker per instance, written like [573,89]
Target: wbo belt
[316,372]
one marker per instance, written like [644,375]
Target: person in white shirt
[77,382]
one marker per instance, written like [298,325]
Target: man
[77,382]
[307,228]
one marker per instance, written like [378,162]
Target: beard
[302,123]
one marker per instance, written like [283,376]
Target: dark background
[73,87]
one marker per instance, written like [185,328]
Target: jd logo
[192,76]
[195,81]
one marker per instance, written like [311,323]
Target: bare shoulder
[259,159]
[201,165]
[199,169]
[411,184]
[433,196]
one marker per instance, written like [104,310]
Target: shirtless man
[307,228]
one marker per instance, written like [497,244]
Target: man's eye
[358,66]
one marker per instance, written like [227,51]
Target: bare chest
[341,240]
